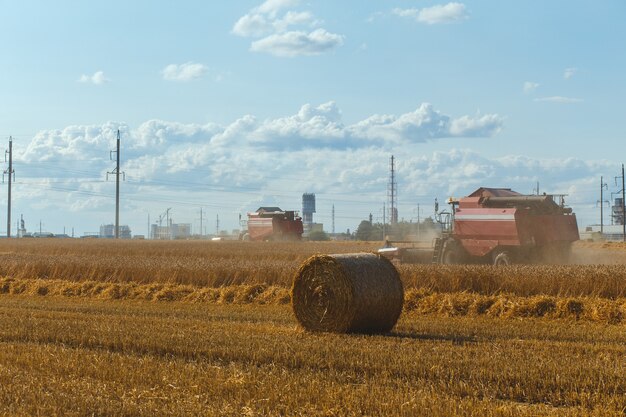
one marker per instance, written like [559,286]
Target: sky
[227,106]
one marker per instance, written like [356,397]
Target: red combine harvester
[272,223]
[499,226]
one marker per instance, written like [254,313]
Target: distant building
[181,230]
[174,231]
[611,232]
[107,231]
[21,231]
[618,211]
[160,232]
[308,208]
[43,234]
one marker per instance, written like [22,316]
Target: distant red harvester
[272,223]
[500,226]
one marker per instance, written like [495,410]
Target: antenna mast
[392,193]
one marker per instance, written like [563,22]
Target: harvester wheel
[451,254]
[502,258]
[449,257]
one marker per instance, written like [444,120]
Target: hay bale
[347,293]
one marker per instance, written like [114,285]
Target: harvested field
[198,263]
[205,328]
[73,356]
[217,264]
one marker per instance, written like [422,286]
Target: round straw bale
[347,293]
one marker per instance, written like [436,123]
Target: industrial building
[173,231]
[608,232]
[107,231]
[613,231]
[308,208]
[618,211]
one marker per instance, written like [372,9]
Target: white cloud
[253,25]
[272,6]
[312,127]
[374,16]
[559,99]
[289,44]
[425,124]
[184,72]
[294,19]
[97,78]
[157,135]
[277,34]
[530,86]
[483,126]
[447,13]
[569,73]
[72,142]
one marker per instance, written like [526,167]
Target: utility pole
[217,225]
[621,214]
[116,171]
[623,207]
[603,185]
[384,222]
[202,219]
[333,229]
[418,221]
[168,224]
[11,174]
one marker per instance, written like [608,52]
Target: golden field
[205,328]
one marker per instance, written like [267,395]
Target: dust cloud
[598,253]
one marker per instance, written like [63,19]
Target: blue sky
[231,105]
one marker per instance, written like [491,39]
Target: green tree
[369,231]
[364,230]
